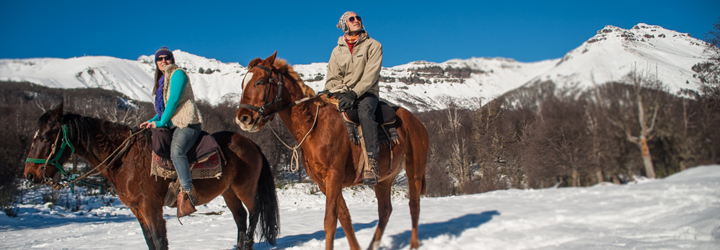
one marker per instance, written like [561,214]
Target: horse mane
[85,128]
[285,68]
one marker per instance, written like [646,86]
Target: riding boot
[186,202]
[370,174]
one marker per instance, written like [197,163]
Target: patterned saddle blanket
[205,157]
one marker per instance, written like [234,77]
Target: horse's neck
[299,119]
[101,146]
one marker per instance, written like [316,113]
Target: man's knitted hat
[342,24]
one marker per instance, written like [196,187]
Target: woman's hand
[147,125]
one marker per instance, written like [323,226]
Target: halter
[268,103]
[64,143]
[278,97]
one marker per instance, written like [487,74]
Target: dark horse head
[50,147]
[56,139]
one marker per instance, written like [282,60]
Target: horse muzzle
[32,175]
[248,123]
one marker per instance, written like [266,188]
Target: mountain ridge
[419,86]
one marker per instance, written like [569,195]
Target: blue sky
[304,31]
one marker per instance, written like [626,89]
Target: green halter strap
[64,143]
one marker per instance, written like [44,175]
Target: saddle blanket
[204,157]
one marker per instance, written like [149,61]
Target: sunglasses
[165,58]
[352,19]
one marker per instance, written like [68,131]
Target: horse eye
[259,82]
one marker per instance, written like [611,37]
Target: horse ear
[271,59]
[254,62]
[57,112]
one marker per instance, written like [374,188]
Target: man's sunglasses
[166,58]
[352,19]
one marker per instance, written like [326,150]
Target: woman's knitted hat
[164,51]
[342,24]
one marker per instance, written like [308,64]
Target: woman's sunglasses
[164,58]
[352,19]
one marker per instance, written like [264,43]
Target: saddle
[204,156]
[387,132]
[385,118]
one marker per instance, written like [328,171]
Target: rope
[295,156]
[122,149]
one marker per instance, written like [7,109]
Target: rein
[295,156]
[66,142]
[278,99]
[278,96]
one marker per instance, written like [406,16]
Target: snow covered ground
[678,212]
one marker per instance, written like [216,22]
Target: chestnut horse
[246,177]
[329,155]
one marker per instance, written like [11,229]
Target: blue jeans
[183,139]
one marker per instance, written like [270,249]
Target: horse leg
[382,192]
[250,234]
[145,228]
[333,203]
[246,197]
[149,215]
[346,223]
[416,181]
[157,225]
[239,215]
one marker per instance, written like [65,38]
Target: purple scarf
[159,100]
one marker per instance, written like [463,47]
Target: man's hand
[346,100]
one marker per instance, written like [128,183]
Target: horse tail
[267,204]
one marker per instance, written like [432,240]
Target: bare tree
[646,104]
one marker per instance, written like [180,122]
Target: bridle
[54,160]
[278,98]
[268,103]
[66,143]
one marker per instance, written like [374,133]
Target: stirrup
[369,178]
[186,202]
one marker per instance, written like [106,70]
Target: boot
[370,174]
[186,203]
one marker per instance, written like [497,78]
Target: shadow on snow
[453,228]
[53,220]
[295,240]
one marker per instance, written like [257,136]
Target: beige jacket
[359,70]
[187,111]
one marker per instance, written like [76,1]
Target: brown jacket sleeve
[333,77]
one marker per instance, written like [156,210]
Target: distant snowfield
[658,53]
[678,212]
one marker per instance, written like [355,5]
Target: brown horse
[329,155]
[246,177]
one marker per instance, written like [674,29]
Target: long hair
[158,74]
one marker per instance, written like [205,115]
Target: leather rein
[65,142]
[278,99]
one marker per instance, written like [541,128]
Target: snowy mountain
[421,85]
[614,52]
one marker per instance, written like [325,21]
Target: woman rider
[176,109]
